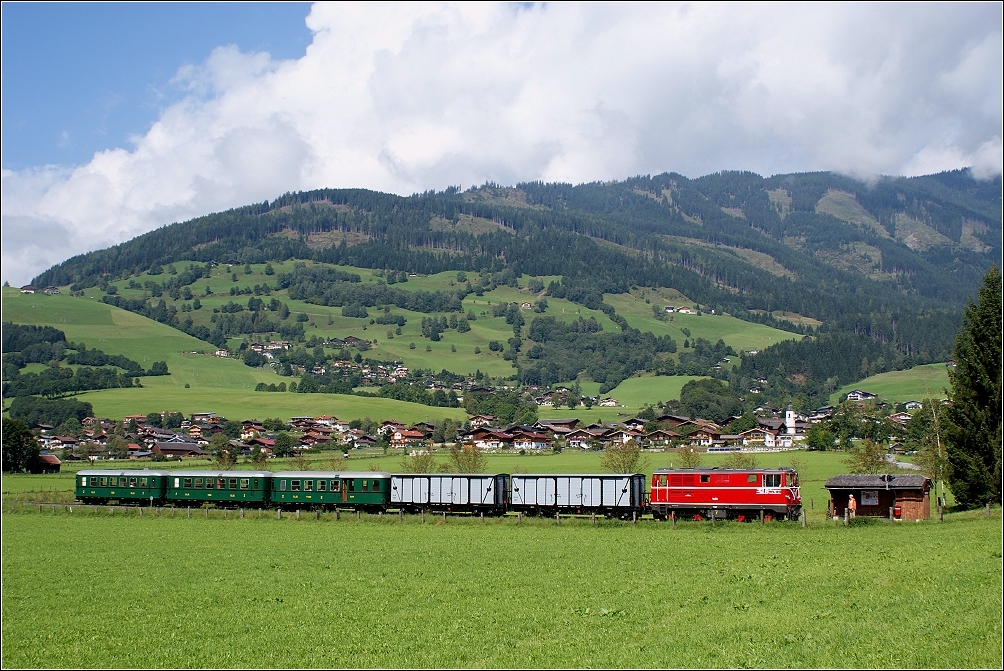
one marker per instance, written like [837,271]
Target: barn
[908,495]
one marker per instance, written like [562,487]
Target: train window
[209,483]
[94,482]
[282,485]
[706,478]
[221,483]
[295,485]
[366,484]
[245,483]
[142,482]
[233,483]
[104,481]
[792,479]
[376,485]
[662,480]
[132,482]
[186,483]
[321,484]
[771,479]
[123,482]
[336,485]
[198,483]
[752,477]
[308,485]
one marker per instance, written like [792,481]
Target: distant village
[776,430]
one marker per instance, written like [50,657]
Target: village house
[405,437]
[529,440]
[914,405]
[609,403]
[478,421]
[859,395]
[661,437]
[705,437]
[27,289]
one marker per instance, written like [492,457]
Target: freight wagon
[450,492]
[710,493]
[578,493]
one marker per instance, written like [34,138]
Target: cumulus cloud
[410,97]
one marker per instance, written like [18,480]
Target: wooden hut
[908,495]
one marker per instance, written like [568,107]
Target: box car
[101,486]
[231,488]
[577,493]
[364,490]
[725,493]
[450,492]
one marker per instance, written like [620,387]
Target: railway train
[699,493]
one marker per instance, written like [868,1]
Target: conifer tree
[974,432]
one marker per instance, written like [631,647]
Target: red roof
[50,459]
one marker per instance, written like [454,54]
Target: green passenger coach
[366,490]
[236,488]
[94,486]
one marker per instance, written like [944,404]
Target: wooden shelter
[908,495]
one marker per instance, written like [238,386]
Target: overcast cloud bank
[414,97]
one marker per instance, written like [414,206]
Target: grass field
[899,386]
[93,590]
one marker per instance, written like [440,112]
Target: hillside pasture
[899,386]
[262,592]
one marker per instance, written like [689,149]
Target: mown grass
[899,386]
[93,590]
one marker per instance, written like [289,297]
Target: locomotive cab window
[752,478]
[792,479]
[706,478]
[771,479]
[662,480]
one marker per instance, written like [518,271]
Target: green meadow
[89,589]
[899,386]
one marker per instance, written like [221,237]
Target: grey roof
[860,481]
[221,474]
[124,473]
[321,475]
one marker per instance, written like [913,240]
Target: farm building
[908,495]
[47,463]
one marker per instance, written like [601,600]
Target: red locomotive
[724,493]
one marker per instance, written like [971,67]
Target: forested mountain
[888,263]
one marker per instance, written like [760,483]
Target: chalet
[251,429]
[139,419]
[406,437]
[51,291]
[222,353]
[859,395]
[907,495]
[636,424]
[705,437]
[529,440]
[683,310]
[425,427]
[609,403]
[555,424]
[27,289]
[257,347]
[478,421]
[759,436]
[900,417]
[585,438]
[525,305]
[670,308]
[390,426]
[487,439]
[179,450]
[671,421]
[204,417]
[312,438]
[661,437]
[914,405]
[624,436]
[266,444]
[353,341]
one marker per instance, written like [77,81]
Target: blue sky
[121,118]
[82,77]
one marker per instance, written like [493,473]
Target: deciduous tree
[623,458]
[20,450]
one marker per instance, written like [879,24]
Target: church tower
[789,420]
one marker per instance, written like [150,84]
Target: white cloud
[410,97]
